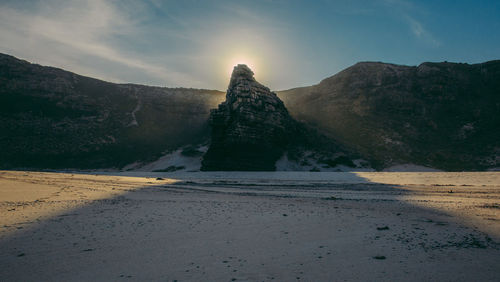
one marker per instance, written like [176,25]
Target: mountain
[51,118]
[441,115]
[252,129]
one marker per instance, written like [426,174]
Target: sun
[245,60]
[251,58]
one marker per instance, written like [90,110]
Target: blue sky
[287,43]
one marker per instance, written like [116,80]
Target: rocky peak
[241,72]
[251,129]
[244,90]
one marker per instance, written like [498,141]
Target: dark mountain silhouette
[252,129]
[442,115]
[51,118]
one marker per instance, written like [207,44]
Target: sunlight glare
[241,60]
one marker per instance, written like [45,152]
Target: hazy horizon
[288,44]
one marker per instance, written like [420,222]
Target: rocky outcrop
[440,115]
[51,118]
[251,129]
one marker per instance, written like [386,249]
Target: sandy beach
[283,226]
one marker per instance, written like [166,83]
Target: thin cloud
[83,28]
[405,10]
[420,32]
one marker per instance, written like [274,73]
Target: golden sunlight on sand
[32,197]
[249,226]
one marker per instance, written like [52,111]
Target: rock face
[51,118]
[440,115]
[251,129]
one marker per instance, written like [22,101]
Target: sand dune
[249,226]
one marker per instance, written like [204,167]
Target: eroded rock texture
[251,129]
[52,118]
[440,115]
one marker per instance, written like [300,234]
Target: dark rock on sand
[251,129]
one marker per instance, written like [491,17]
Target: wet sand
[249,226]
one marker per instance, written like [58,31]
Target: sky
[287,43]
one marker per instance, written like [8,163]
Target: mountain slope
[252,130]
[443,115]
[51,118]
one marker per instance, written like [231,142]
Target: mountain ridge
[388,113]
[51,118]
[397,111]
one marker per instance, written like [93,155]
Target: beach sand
[286,226]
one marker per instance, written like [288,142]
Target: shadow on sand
[223,228]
